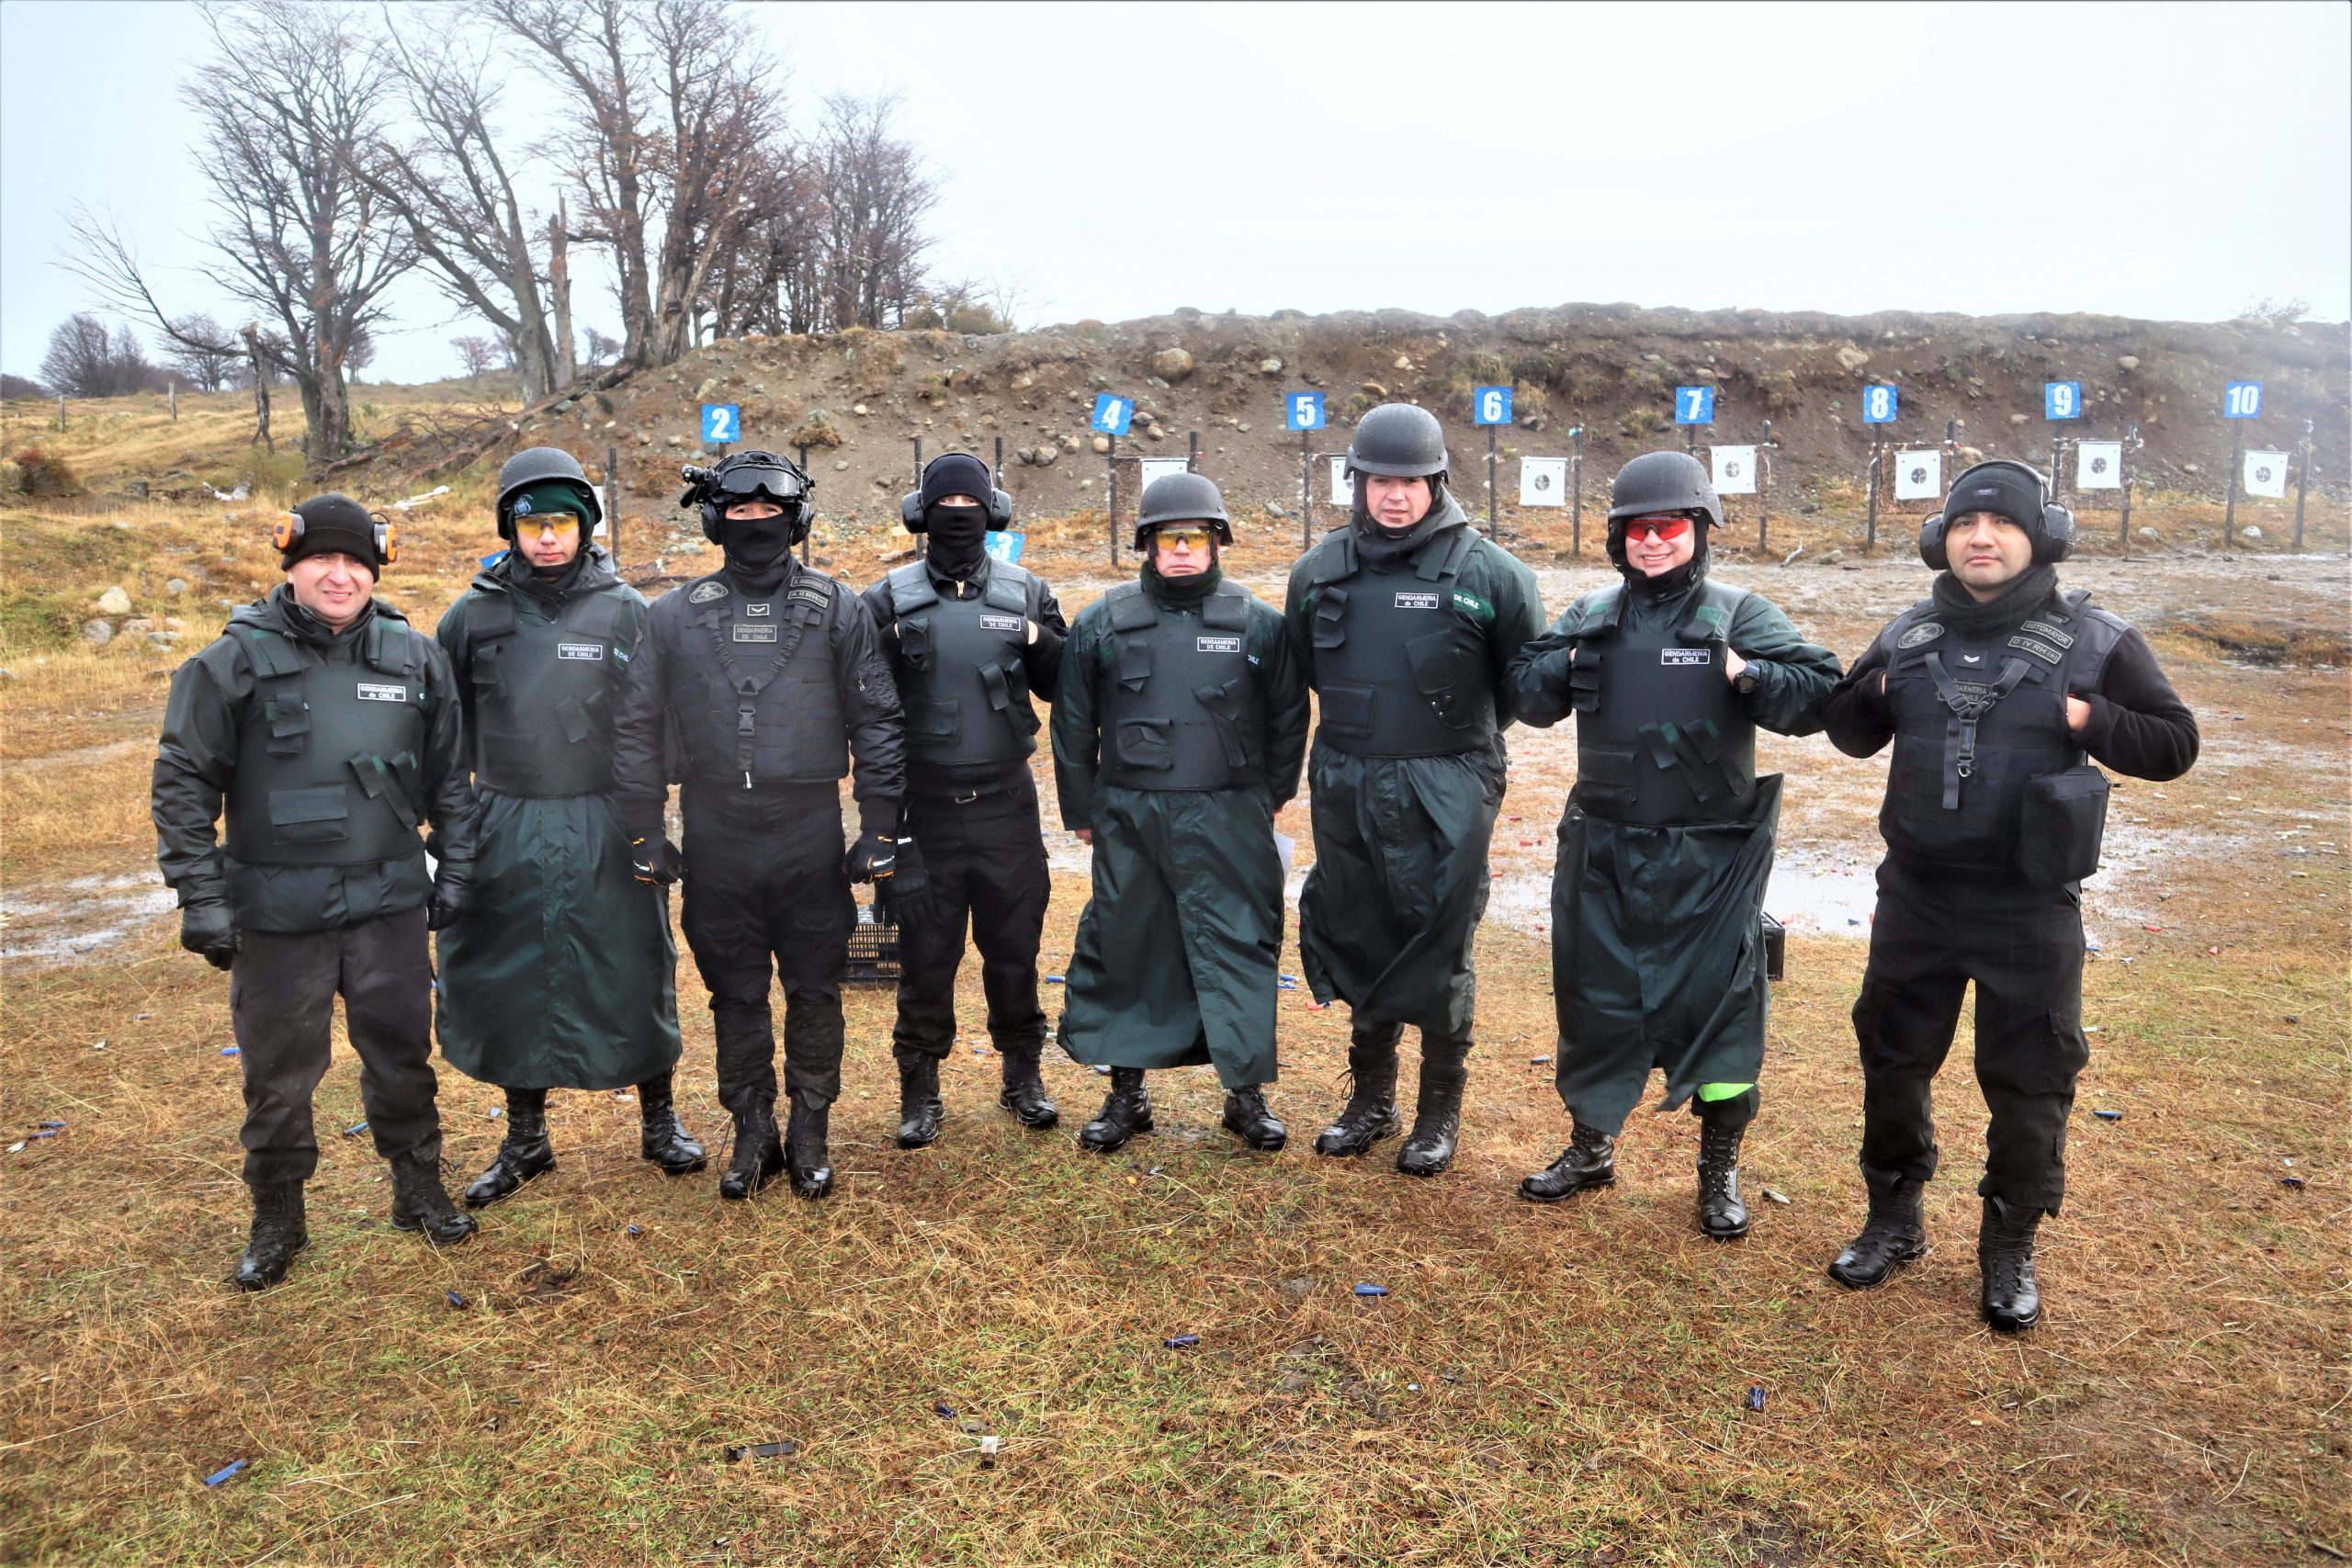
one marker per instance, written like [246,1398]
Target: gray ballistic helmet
[1183,497]
[1402,440]
[1664,482]
[538,466]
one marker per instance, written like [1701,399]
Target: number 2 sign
[722,423]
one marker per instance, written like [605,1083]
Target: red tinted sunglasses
[1656,528]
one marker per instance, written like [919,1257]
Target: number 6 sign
[1490,405]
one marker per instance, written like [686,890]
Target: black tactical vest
[960,669]
[1400,655]
[1975,719]
[1661,734]
[330,756]
[1180,707]
[752,685]
[542,703]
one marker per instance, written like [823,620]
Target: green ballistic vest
[1662,737]
[752,685]
[542,691]
[961,672]
[1181,706]
[1398,658]
[330,756]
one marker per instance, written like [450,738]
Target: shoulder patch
[2049,633]
[809,594]
[1918,636]
[704,592]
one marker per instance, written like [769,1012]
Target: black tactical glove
[874,858]
[654,860]
[207,930]
[908,885]
[453,892]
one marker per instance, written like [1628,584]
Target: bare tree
[86,360]
[601,348]
[291,96]
[200,351]
[876,195]
[477,353]
[452,187]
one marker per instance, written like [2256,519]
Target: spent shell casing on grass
[1182,1341]
[943,1410]
[2108,1115]
[1755,1399]
[784,1450]
[455,1300]
[1367,1288]
[228,1050]
[226,1472]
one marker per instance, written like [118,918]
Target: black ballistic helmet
[2009,489]
[1657,483]
[1401,440]
[1183,497]
[538,466]
[749,475]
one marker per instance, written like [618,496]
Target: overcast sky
[1115,161]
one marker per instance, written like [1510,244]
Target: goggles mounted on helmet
[746,477]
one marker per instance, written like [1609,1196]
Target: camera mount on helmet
[749,475]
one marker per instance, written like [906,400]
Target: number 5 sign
[721,424]
[1303,411]
[1490,405]
[1694,405]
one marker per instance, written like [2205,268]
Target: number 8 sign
[1878,404]
[1490,405]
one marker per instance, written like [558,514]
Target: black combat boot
[1370,1114]
[1893,1236]
[663,1139]
[1247,1118]
[420,1203]
[524,1153]
[279,1232]
[804,1150]
[1589,1161]
[2005,1254]
[1126,1111]
[919,1108]
[1722,1215]
[1024,1089]
[1437,1118]
[758,1153]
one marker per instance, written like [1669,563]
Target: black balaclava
[958,534]
[759,550]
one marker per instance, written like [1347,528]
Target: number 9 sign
[2062,399]
[1490,405]
[1878,404]
[1303,411]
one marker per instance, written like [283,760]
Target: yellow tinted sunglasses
[1193,538]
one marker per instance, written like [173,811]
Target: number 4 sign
[1490,405]
[722,423]
[1113,414]
[1694,405]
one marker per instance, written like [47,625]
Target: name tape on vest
[1408,599]
[591,650]
[1001,623]
[2041,650]
[759,609]
[1218,644]
[754,634]
[1686,656]
[2048,633]
[706,592]
[369,692]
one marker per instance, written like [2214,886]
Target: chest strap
[1969,702]
[749,687]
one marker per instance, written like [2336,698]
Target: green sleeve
[1518,621]
[1792,676]
[1535,687]
[1078,740]
[1281,674]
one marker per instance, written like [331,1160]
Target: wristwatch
[1745,682]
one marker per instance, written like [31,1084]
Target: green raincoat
[1178,951]
[561,974]
[1656,957]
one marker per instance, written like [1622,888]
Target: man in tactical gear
[324,730]
[754,687]
[969,640]
[1657,956]
[561,973]
[1996,689]
[1405,620]
[1178,736]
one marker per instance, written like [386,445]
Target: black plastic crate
[873,950]
[1776,945]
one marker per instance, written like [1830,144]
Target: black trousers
[986,858]
[2023,948]
[281,1004]
[766,895]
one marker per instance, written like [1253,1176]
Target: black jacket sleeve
[195,759]
[641,709]
[2139,726]
[1518,621]
[869,699]
[1855,714]
[1044,657]
[450,802]
[1792,676]
[1282,678]
[1536,683]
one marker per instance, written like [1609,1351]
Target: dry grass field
[1539,1386]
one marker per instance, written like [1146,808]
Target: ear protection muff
[2052,532]
[996,503]
[289,527]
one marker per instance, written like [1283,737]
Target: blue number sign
[2242,400]
[1880,404]
[1004,543]
[2062,399]
[1112,414]
[1490,405]
[1303,411]
[722,423]
[1694,405]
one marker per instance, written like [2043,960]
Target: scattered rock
[1402,362]
[1853,358]
[1833,558]
[140,626]
[1270,367]
[1044,456]
[97,633]
[2017,419]
[161,639]
[2128,362]
[676,441]
[2190,469]
[2252,532]
[1101,443]
[1375,390]
[841,467]
[1243,427]
[703,391]
[1274,509]
[2151,536]
[114,602]
[176,587]
[1173,364]
[857,409]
